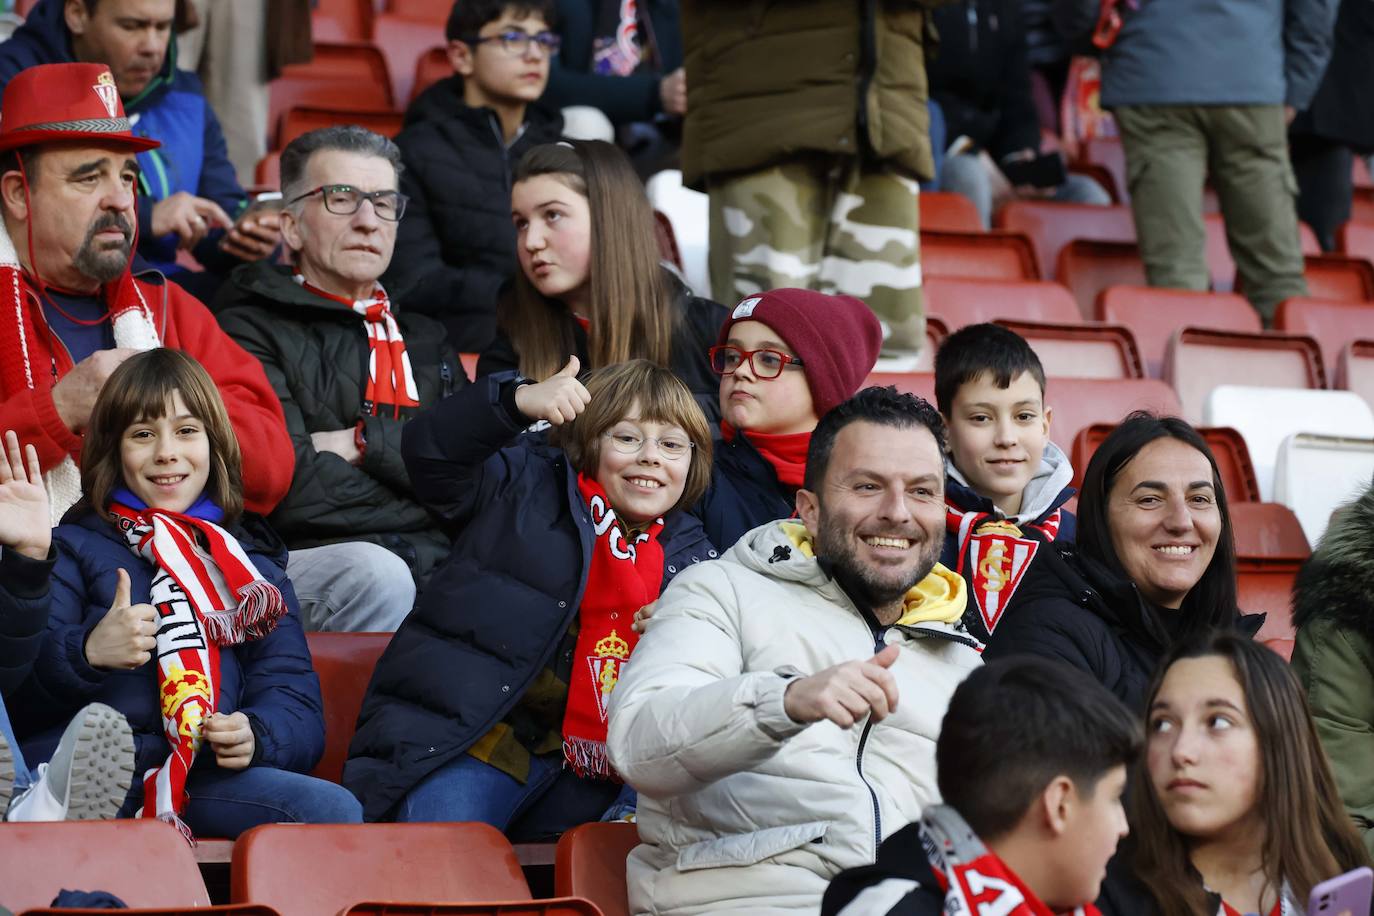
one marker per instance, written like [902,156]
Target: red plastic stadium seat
[344,662]
[947,211]
[1082,350]
[432,11]
[1331,276]
[1270,548]
[1356,240]
[1199,359]
[1228,446]
[1087,268]
[268,171]
[469,361]
[324,868]
[1080,402]
[562,906]
[986,255]
[1355,369]
[1050,226]
[39,860]
[1154,314]
[591,864]
[962,302]
[346,77]
[349,20]
[232,909]
[403,42]
[1362,205]
[301,120]
[432,66]
[1332,323]
[1108,153]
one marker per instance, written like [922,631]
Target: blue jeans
[224,803]
[351,587]
[22,777]
[551,801]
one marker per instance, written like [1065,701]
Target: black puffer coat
[497,609]
[744,493]
[315,353]
[24,601]
[456,245]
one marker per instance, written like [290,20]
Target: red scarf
[208,594]
[390,381]
[624,576]
[786,453]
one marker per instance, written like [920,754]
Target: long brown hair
[141,389]
[630,304]
[1311,838]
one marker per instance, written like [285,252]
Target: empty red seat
[403,42]
[1088,267]
[1155,314]
[1332,323]
[1080,402]
[302,120]
[1333,276]
[1050,226]
[431,11]
[1082,350]
[1362,205]
[1356,240]
[1108,153]
[948,212]
[342,20]
[1270,548]
[988,255]
[344,663]
[1199,359]
[591,863]
[1236,470]
[432,66]
[267,174]
[343,77]
[965,301]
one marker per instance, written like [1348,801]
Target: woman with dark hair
[1229,743]
[590,283]
[1154,561]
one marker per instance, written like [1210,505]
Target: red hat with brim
[55,103]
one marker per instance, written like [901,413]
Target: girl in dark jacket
[590,282]
[1154,562]
[154,596]
[501,674]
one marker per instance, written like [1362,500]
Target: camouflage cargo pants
[822,223]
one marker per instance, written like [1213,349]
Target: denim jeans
[551,801]
[22,777]
[351,587]
[224,803]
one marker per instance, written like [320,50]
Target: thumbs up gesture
[558,399]
[845,693]
[125,636]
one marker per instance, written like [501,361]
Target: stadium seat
[231,909]
[986,255]
[1356,240]
[346,77]
[563,906]
[432,66]
[1218,250]
[1362,205]
[431,11]
[324,868]
[1082,350]
[300,120]
[142,861]
[342,20]
[1199,359]
[1155,314]
[1050,226]
[268,171]
[1087,268]
[1108,153]
[1333,276]
[1234,467]
[591,863]
[689,213]
[344,663]
[1265,416]
[1355,369]
[962,302]
[1332,323]
[1270,548]
[1081,402]
[921,384]
[948,212]
[403,42]
[1314,474]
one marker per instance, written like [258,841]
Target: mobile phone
[1344,895]
[1044,171]
[267,201]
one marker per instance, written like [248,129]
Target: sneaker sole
[6,775]
[102,765]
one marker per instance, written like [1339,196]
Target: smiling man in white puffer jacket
[779,717]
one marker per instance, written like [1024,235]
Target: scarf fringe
[170,817]
[588,759]
[260,607]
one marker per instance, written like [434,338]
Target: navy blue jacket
[23,614]
[171,109]
[269,680]
[493,614]
[744,493]
[623,99]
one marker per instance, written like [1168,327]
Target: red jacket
[183,324]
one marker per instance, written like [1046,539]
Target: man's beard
[861,582]
[107,262]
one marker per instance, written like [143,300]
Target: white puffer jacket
[740,808]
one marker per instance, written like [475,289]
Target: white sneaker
[89,775]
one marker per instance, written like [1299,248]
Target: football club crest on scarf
[607,662]
[997,556]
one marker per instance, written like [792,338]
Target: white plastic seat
[1315,474]
[1266,416]
[690,213]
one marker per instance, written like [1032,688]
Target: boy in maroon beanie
[785,357]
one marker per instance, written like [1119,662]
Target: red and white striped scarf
[390,380]
[208,594]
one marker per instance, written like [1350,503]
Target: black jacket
[981,77]
[497,609]
[456,245]
[1343,108]
[315,354]
[744,493]
[901,860]
[23,614]
[1074,609]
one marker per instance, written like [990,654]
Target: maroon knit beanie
[836,337]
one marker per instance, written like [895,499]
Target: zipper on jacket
[446,375]
[880,645]
[973,26]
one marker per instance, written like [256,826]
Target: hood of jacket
[1046,491]
[1336,581]
[263,279]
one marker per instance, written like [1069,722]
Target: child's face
[166,461]
[646,482]
[553,227]
[997,436]
[1094,825]
[495,77]
[776,406]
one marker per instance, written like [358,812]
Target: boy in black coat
[1031,764]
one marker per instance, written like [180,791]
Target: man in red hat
[70,309]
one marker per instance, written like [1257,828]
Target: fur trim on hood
[1337,582]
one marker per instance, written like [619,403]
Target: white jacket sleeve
[685,713]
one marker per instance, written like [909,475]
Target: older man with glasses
[349,371]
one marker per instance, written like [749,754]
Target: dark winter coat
[455,246]
[1074,609]
[1334,655]
[744,493]
[315,353]
[623,99]
[497,609]
[901,859]
[172,109]
[23,614]
[269,680]
[981,77]
[1343,108]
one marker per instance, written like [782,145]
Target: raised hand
[845,693]
[125,637]
[231,738]
[25,526]
[558,399]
